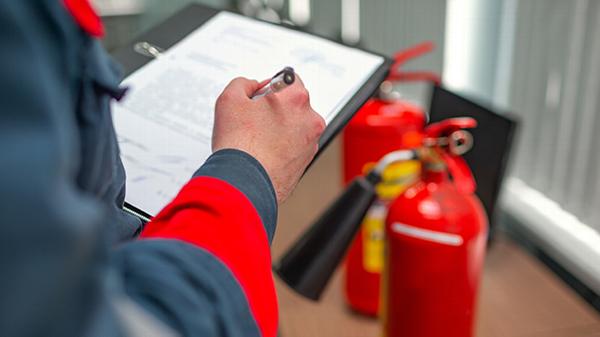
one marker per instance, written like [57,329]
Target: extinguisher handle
[447,126]
[404,56]
[457,166]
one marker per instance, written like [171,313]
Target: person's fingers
[296,94]
[242,86]
[319,123]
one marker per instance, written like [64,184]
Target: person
[71,261]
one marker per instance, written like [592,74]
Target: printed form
[164,124]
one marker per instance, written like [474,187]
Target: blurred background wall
[539,59]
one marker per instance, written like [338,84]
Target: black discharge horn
[308,265]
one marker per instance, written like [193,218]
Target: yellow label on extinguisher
[395,179]
[373,233]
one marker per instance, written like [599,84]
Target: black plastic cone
[309,263]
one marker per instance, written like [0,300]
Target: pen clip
[148,49]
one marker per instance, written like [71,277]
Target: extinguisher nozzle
[305,292]
[308,265]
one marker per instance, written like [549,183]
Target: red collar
[86,16]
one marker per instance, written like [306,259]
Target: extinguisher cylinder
[435,247]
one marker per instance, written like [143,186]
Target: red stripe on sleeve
[214,215]
[85,15]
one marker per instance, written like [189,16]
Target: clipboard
[190,18]
[178,26]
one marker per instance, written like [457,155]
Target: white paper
[164,124]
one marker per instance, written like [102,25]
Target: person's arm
[203,264]
[215,234]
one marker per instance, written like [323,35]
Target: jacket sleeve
[203,264]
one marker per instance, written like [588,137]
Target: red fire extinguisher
[384,124]
[435,242]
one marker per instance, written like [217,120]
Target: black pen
[280,81]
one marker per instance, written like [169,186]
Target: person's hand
[280,130]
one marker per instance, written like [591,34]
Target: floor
[520,297]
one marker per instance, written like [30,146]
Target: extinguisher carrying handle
[457,166]
[404,56]
[447,126]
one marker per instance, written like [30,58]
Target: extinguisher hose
[388,159]
[309,263]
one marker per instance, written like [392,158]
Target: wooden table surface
[520,297]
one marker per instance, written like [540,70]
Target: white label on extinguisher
[426,234]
